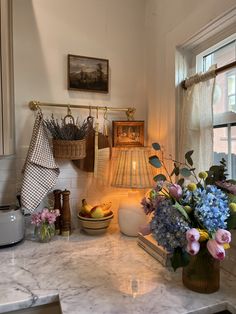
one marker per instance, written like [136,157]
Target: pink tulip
[145,229]
[193,247]
[175,191]
[216,250]
[192,235]
[222,236]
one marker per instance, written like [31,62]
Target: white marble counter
[106,274]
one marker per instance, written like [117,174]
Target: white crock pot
[12,225]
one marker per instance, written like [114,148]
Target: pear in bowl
[97,220]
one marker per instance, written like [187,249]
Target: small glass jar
[44,232]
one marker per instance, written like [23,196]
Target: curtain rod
[217,71]
[35,105]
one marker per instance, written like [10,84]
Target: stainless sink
[51,308]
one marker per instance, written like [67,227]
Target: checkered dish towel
[40,170]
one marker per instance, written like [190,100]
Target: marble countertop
[107,274]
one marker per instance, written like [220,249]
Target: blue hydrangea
[211,208]
[169,226]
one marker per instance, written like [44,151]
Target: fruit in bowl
[95,219]
[98,211]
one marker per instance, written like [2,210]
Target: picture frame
[128,133]
[88,74]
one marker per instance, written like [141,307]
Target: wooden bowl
[95,226]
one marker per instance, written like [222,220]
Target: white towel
[40,169]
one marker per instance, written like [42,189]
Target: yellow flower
[203,175]
[226,246]
[191,187]
[232,207]
[203,235]
[188,209]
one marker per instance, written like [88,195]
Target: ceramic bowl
[95,226]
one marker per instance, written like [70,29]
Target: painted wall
[45,32]
[167,29]
[139,37]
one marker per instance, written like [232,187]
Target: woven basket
[70,150]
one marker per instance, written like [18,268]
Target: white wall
[166,30]
[170,24]
[44,33]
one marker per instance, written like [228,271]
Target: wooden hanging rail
[217,71]
[35,105]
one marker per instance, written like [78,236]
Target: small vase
[202,274]
[44,232]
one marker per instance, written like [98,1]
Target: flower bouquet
[44,224]
[191,218]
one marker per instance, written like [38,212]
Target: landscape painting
[88,74]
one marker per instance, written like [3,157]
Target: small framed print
[128,133]
[88,74]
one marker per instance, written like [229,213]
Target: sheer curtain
[196,120]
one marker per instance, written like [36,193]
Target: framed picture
[128,133]
[88,74]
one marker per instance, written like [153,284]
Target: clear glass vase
[45,232]
[202,274]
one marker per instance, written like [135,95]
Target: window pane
[220,144]
[231,84]
[221,56]
[233,150]
[231,103]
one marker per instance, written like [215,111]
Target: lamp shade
[132,171]
[132,168]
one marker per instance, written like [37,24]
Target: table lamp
[132,171]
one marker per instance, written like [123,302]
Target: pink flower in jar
[216,249]
[192,235]
[193,247]
[223,236]
[175,191]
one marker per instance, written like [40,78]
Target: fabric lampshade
[132,171]
[132,168]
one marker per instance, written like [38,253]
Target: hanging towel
[40,170]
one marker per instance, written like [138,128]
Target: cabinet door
[7,124]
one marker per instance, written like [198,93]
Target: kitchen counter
[100,274]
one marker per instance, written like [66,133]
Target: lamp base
[131,215]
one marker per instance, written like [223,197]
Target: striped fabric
[132,168]
[40,171]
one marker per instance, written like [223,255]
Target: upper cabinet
[7,120]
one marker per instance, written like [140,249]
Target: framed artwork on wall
[128,133]
[88,74]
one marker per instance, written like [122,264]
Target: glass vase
[202,274]
[44,232]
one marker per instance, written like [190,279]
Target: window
[224,107]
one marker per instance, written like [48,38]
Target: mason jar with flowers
[44,222]
[192,220]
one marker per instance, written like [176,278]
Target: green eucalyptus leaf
[176,171]
[155,161]
[180,181]
[156,146]
[190,161]
[179,259]
[231,221]
[185,172]
[181,210]
[159,177]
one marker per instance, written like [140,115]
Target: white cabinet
[7,120]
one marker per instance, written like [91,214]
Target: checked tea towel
[40,171]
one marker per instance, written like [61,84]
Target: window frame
[228,118]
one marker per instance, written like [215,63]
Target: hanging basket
[70,150]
